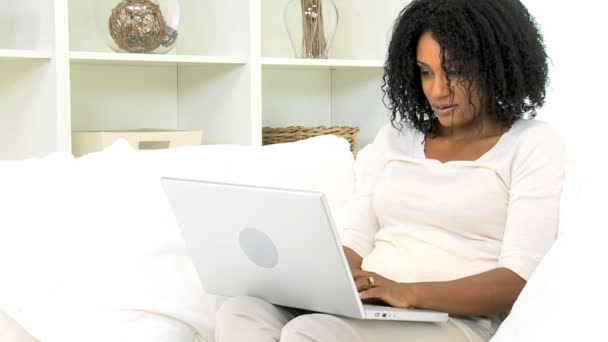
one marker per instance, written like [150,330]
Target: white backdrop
[577,103]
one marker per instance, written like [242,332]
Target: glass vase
[138,26]
[311,26]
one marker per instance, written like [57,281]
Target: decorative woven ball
[138,26]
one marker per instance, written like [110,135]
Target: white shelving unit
[30,96]
[231,73]
[299,63]
[148,59]
[13,55]
[343,90]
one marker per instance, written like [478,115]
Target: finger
[367,275]
[362,283]
[376,296]
[367,280]
[375,301]
[384,295]
[361,273]
[372,293]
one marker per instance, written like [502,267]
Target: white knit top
[415,219]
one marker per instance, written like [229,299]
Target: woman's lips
[445,110]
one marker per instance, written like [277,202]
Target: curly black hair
[495,44]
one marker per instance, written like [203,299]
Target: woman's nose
[440,87]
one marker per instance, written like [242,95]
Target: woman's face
[452,111]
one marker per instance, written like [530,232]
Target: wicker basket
[272,135]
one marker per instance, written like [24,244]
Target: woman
[460,196]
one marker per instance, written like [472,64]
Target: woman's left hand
[373,287]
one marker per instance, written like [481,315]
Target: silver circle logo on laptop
[258,247]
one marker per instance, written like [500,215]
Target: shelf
[224,78]
[302,63]
[148,59]
[24,54]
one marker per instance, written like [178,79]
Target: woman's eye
[425,73]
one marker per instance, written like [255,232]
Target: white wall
[577,103]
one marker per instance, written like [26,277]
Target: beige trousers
[254,320]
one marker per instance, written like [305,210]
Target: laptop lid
[279,245]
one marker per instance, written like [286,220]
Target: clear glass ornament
[138,26]
[311,25]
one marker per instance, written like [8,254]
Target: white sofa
[89,249]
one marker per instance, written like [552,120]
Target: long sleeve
[537,174]
[361,222]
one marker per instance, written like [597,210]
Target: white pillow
[95,237]
[133,252]
[12,331]
[32,202]
[322,163]
[565,299]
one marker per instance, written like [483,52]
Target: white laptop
[279,245]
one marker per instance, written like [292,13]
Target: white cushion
[90,236]
[31,197]
[564,299]
[12,331]
[322,163]
[131,326]
[84,240]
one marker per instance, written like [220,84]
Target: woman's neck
[484,128]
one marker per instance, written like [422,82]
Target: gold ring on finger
[371,281]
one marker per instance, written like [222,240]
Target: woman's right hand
[375,289]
